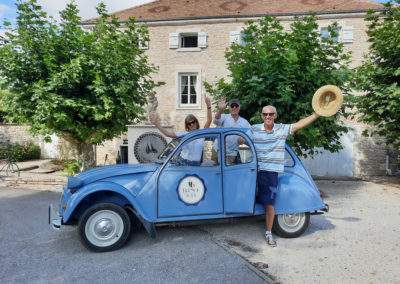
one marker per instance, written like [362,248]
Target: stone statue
[152,105]
[152,102]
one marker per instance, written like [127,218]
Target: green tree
[379,76]
[85,86]
[284,68]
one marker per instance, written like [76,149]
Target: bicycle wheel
[12,168]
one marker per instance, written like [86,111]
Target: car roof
[217,130]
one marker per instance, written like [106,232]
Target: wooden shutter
[234,37]
[173,40]
[202,39]
[348,34]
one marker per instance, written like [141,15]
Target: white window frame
[325,27]
[183,35]
[175,39]
[345,34]
[236,37]
[189,105]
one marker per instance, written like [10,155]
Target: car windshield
[168,150]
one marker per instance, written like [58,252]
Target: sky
[86,7]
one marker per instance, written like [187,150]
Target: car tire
[104,227]
[291,225]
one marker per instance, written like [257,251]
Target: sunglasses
[190,123]
[268,113]
[234,105]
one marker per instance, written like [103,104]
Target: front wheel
[291,225]
[104,227]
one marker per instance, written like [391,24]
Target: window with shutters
[188,40]
[325,34]
[237,37]
[343,34]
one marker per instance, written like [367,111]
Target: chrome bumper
[54,218]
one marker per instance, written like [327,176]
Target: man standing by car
[269,140]
[229,120]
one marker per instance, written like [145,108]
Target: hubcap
[291,220]
[104,228]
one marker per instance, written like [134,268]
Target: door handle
[252,169]
[217,172]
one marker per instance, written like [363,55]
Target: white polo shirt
[227,120]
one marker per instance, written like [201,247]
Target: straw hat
[327,100]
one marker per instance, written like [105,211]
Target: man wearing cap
[269,140]
[229,120]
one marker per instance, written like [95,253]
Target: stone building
[188,39]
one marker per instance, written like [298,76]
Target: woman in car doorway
[191,153]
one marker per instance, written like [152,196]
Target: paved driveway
[32,252]
[358,241]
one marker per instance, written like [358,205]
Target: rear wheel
[104,227]
[291,225]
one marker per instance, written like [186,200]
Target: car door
[191,188]
[239,176]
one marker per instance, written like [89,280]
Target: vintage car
[106,201]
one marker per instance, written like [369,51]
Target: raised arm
[209,115]
[222,105]
[304,122]
[153,119]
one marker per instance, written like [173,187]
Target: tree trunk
[82,151]
[85,156]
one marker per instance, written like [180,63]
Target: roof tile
[181,9]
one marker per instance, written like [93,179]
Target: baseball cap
[234,101]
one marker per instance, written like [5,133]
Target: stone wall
[370,154]
[106,153]
[14,133]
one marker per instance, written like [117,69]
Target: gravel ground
[358,241]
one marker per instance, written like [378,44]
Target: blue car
[106,201]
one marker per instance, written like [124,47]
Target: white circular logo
[191,190]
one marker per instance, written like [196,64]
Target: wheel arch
[99,192]
[296,195]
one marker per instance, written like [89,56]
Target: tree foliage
[84,85]
[379,76]
[284,68]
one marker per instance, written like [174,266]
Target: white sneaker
[270,240]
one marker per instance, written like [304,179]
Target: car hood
[105,172]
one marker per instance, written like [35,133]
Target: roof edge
[247,16]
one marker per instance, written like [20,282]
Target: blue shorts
[267,187]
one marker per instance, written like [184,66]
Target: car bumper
[54,218]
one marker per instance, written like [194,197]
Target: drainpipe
[391,152]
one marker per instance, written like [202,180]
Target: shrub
[17,152]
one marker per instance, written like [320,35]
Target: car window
[235,154]
[196,153]
[289,161]
[168,150]
[246,154]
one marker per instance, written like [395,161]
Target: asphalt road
[32,252]
[358,241]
